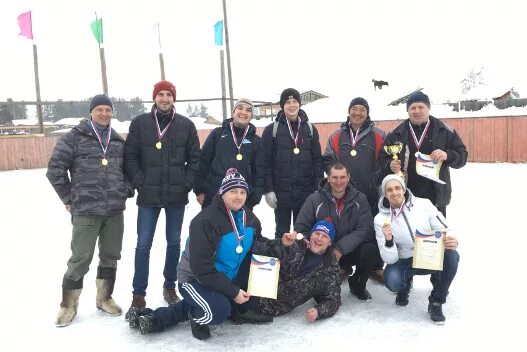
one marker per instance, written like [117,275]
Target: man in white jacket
[400,215]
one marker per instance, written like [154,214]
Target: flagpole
[103,64]
[37,88]
[223,92]
[229,71]
[161,60]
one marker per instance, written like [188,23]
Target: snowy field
[485,308]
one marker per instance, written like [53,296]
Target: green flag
[96,28]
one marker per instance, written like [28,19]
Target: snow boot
[250,317]
[200,332]
[137,302]
[170,295]
[436,313]
[149,323]
[105,282]
[135,313]
[357,286]
[68,306]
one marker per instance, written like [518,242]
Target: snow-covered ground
[485,307]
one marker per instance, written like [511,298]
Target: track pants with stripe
[206,306]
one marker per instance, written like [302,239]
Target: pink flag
[26,27]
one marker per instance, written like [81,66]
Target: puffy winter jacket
[418,214]
[94,189]
[219,154]
[210,252]
[163,177]
[354,225]
[442,137]
[292,176]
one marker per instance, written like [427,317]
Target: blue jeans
[397,276]
[146,227]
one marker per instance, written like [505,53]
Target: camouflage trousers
[108,230]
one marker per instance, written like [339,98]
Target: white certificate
[263,276]
[429,250]
[426,167]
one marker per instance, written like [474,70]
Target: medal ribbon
[414,136]
[339,205]
[396,212]
[354,138]
[295,138]
[104,149]
[234,136]
[239,238]
[160,133]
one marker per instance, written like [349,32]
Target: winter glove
[271,200]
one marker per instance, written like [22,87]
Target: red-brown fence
[488,139]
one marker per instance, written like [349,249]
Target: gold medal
[104,161]
[296,150]
[239,249]
[158,145]
[239,156]
[353,152]
[299,236]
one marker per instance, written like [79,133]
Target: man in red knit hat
[160,159]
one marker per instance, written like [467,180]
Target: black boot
[250,317]
[201,332]
[436,313]
[402,296]
[134,314]
[357,286]
[149,323]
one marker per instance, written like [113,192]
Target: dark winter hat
[287,94]
[163,85]
[326,227]
[100,99]
[417,97]
[359,101]
[243,101]
[233,179]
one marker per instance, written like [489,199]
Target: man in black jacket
[293,161]
[425,134]
[234,144]
[161,159]
[86,171]
[348,209]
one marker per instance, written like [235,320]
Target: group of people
[327,229]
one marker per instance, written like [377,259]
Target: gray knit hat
[243,101]
[392,177]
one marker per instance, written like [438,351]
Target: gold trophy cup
[394,151]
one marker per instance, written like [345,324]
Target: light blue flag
[218,33]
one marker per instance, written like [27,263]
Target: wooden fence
[488,139]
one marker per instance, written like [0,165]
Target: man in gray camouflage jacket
[95,195]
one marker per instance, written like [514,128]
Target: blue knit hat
[359,101]
[417,97]
[100,99]
[233,179]
[326,227]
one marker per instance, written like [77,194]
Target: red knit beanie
[164,85]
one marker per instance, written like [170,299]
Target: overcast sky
[335,47]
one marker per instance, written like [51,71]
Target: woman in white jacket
[400,215]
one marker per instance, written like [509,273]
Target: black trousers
[365,258]
[282,218]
